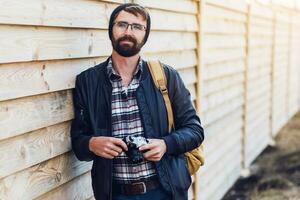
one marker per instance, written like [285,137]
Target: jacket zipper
[143,124]
[110,131]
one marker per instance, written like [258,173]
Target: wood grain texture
[43,177]
[33,78]
[19,116]
[34,147]
[72,190]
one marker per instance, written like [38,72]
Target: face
[128,42]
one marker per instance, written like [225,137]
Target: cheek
[115,34]
[140,38]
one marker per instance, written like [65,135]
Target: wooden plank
[78,188]
[259,100]
[260,41]
[261,11]
[60,13]
[240,6]
[188,75]
[215,12]
[221,26]
[261,22]
[213,129]
[164,41]
[215,85]
[226,68]
[34,112]
[24,43]
[224,181]
[218,98]
[41,178]
[59,43]
[184,59]
[212,114]
[262,72]
[31,78]
[221,137]
[32,148]
[185,6]
[228,159]
[173,21]
[213,41]
[220,55]
[256,30]
[192,90]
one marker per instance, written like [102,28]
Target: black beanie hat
[119,9]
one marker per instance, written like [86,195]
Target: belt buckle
[143,184]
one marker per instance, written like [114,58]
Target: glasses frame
[131,26]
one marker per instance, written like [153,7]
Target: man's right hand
[107,147]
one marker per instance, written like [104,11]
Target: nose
[128,30]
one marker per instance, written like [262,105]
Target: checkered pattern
[126,121]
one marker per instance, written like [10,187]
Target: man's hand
[156,148]
[107,147]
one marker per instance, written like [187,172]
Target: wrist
[91,144]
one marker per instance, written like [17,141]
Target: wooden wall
[239,60]
[258,81]
[224,58]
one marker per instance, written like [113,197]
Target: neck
[125,66]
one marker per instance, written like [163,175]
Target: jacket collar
[102,71]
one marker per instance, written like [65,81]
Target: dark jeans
[155,194]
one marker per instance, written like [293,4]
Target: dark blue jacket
[92,106]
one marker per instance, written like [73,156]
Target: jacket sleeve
[80,129]
[188,133]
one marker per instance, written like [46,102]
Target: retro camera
[133,143]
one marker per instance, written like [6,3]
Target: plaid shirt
[126,121]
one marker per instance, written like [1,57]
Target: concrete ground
[275,174]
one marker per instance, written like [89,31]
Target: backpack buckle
[163,89]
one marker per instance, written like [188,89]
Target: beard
[125,49]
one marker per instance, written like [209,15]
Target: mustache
[128,38]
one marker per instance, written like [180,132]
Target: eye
[138,27]
[122,24]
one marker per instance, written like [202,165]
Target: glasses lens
[137,27]
[122,25]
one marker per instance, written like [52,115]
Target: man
[118,98]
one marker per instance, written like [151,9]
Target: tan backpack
[195,158]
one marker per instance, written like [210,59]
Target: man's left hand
[155,149]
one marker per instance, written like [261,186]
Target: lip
[126,41]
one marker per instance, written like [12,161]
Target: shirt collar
[113,74]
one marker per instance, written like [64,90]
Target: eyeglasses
[134,27]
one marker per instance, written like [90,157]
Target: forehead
[130,18]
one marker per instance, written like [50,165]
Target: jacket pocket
[178,172]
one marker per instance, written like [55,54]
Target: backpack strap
[160,81]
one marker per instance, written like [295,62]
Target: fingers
[105,155]
[115,148]
[152,153]
[119,142]
[148,146]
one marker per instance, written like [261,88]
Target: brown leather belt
[135,188]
